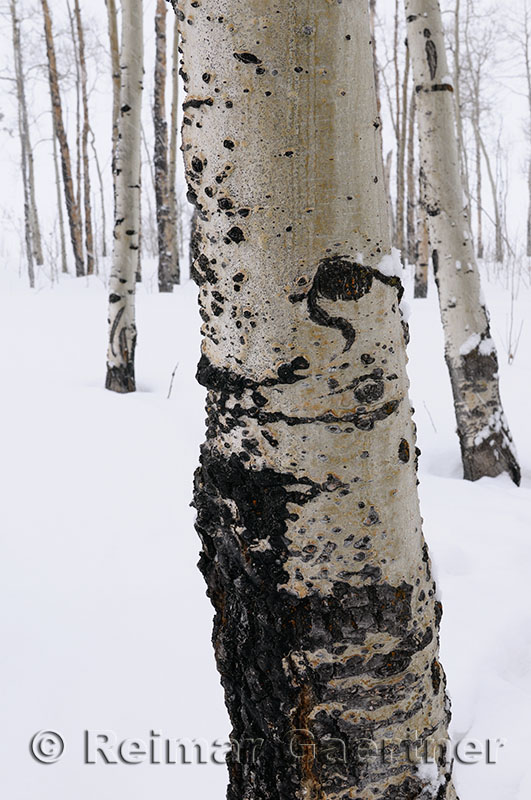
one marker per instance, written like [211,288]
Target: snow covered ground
[104,621]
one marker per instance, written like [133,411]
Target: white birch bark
[486,443]
[122,328]
[87,199]
[72,207]
[31,218]
[175,211]
[160,154]
[60,215]
[411,182]
[114,46]
[326,616]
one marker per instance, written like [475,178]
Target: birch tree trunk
[528,249]
[422,256]
[372,23]
[401,131]
[479,193]
[486,443]
[175,222]
[87,200]
[122,327]
[326,617]
[463,164]
[498,253]
[102,196]
[73,34]
[114,45]
[527,60]
[411,183]
[28,170]
[64,262]
[72,207]
[24,144]
[160,159]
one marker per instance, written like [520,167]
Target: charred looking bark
[337,278]
[262,635]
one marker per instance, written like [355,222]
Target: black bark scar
[337,278]
[431,55]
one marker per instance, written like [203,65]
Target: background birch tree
[486,444]
[114,48]
[122,326]
[31,218]
[160,159]
[326,616]
[175,209]
[87,199]
[74,218]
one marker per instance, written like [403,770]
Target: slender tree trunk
[527,60]
[372,20]
[411,182]
[79,183]
[122,327]
[160,158]
[399,130]
[25,137]
[102,195]
[64,262]
[114,45]
[72,207]
[175,226]
[529,210]
[496,203]
[486,443]
[150,234]
[387,183]
[422,256]
[326,615]
[24,144]
[458,110]
[401,162]
[479,198]
[87,199]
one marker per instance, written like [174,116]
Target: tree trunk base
[491,458]
[120,379]
[421,289]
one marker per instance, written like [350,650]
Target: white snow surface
[105,624]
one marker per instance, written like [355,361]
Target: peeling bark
[486,444]
[122,328]
[326,619]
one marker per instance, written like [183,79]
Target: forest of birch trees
[302,163]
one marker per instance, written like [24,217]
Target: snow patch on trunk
[391,264]
[471,343]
